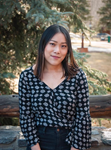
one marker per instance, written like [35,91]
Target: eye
[63,46]
[53,44]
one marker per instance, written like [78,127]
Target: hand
[36,147]
[72,148]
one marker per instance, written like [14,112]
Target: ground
[100,61]
[101,122]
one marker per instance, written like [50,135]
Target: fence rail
[100,106]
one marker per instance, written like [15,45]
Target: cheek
[46,51]
[64,53]
[46,55]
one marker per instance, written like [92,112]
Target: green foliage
[105,13]
[21,26]
[40,12]
[97,80]
[9,121]
[80,10]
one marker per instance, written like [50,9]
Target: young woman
[54,98]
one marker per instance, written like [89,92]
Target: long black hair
[69,64]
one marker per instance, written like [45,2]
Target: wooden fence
[100,106]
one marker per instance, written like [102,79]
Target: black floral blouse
[67,106]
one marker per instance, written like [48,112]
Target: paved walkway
[96,46]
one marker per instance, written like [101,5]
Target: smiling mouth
[56,57]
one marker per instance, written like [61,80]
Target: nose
[57,49]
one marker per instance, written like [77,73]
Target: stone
[96,135]
[7,137]
[95,132]
[9,128]
[8,134]
[8,149]
[98,128]
[106,136]
[94,142]
[17,141]
[21,140]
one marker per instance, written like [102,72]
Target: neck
[58,68]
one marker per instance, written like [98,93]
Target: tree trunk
[100,106]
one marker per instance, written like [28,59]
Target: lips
[56,57]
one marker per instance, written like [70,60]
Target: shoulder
[27,73]
[80,74]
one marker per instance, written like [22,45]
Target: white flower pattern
[65,106]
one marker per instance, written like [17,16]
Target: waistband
[53,129]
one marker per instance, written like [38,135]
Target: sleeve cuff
[80,135]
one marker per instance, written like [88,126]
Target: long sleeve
[27,122]
[80,135]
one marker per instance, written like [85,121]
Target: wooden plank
[9,106]
[100,106]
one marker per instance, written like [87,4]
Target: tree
[21,24]
[105,13]
[97,80]
[80,11]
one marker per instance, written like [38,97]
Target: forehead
[59,37]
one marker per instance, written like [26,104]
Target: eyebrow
[56,42]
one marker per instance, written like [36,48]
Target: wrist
[36,147]
[72,148]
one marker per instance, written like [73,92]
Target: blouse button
[58,130]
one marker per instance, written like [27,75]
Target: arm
[36,147]
[80,135]
[27,122]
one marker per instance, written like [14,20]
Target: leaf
[28,27]
[68,13]
[8,75]
[28,15]
[49,19]
[41,16]
[34,15]
[36,19]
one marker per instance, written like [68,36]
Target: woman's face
[55,50]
